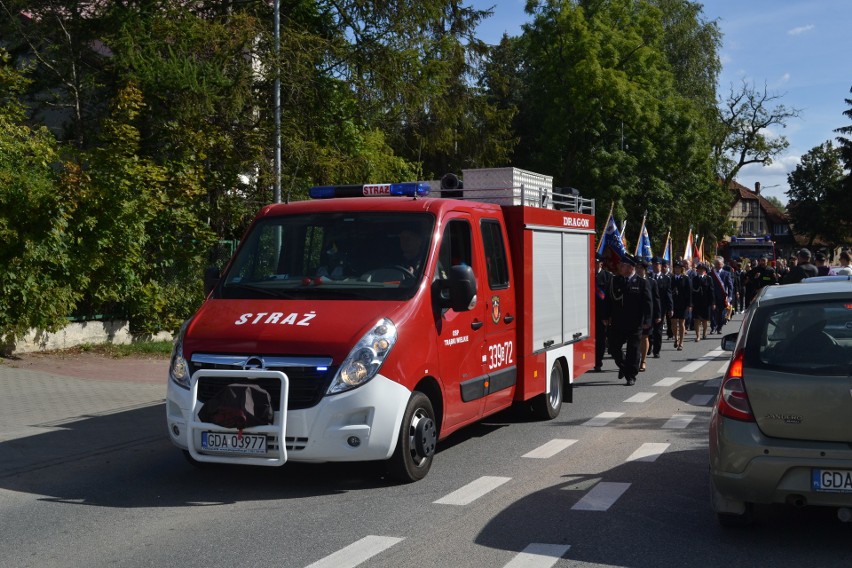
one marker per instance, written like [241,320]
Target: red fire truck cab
[380,325]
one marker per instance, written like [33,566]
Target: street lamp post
[276,192]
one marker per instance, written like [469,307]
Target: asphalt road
[618,479]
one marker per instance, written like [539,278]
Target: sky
[801,50]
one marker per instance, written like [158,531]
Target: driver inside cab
[411,247]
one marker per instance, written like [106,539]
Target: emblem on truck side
[495,309]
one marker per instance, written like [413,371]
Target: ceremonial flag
[700,253]
[667,251]
[624,234]
[611,248]
[643,245]
[687,252]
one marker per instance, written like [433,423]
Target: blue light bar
[321,192]
[410,189]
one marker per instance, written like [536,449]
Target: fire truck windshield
[340,255]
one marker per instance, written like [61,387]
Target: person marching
[681,302]
[703,301]
[723,290]
[602,279]
[629,308]
[656,314]
[664,286]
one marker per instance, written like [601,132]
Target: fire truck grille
[307,384]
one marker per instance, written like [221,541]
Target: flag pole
[641,233]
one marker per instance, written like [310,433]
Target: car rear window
[803,338]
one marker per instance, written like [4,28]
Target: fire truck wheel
[547,405]
[418,437]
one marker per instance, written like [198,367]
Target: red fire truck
[380,324]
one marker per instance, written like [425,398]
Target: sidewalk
[47,394]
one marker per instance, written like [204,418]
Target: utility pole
[276,192]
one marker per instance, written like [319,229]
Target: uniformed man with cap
[664,286]
[602,280]
[629,308]
[803,269]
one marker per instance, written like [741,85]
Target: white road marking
[724,368]
[701,399]
[601,497]
[603,419]
[472,491]
[667,382]
[538,555]
[357,552]
[701,361]
[713,383]
[648,452]
[641,397]
[679,421]
[549,449]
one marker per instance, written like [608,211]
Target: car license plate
[233,443]
[832,480]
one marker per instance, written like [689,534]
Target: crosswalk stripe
[603,419]
[472,491]
[701,361]
[667,382]
[357,552]
[724,368]
[713,383]
[538,555]
[601,497]
[679,421]
[549,449]
[648,452]
[641,397]
[701,399]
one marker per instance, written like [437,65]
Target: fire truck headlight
[366,358]
[178,367]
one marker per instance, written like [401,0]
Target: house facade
[754,216]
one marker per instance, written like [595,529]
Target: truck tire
[546,406]
[418,437]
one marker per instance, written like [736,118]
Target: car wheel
[548,405]
[418,437]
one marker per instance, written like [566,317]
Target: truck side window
[495,254]
[455,247]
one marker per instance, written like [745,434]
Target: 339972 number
[500,354]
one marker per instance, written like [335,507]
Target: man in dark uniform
[602,280]
[803,269]
[629,308]
[664,287]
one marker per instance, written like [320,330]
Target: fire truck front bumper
[361,424]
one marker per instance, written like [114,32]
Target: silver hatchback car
[781,426]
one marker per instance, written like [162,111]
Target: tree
[816,186]
[37,290]
[777,203]
[744,135]
[845,203]
[603,109]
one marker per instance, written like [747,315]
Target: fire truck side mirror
[211,279]
[459,289]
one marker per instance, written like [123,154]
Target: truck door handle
[509,318]
[476,324]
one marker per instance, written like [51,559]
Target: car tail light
[733,399]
